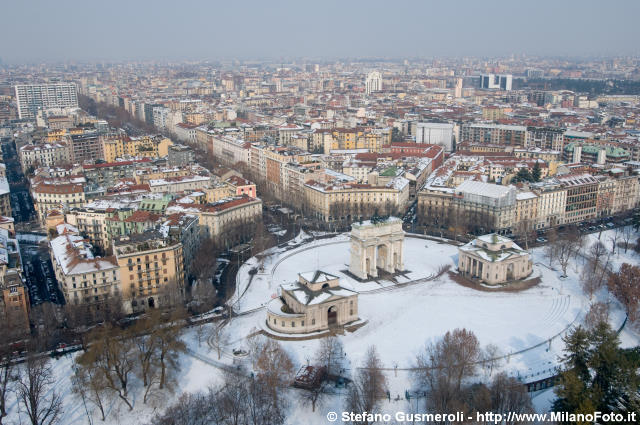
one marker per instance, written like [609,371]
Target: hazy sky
[33,30]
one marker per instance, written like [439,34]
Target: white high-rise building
[33,97]
[435,134]
[374,82]
[457,92]
[496,82]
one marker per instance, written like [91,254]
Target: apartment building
[15,305]
[30,98]
[546,138]
[582,197]
[108,174]
[230,151]
[497,134]
[179,184]
[44,155]
[5,198]
[267,163]
[494,201]
[83,278]
[56,196]
[86,147]
[220,217]
[347,201]
[151,269]
[552,203]
[91,221]
[140,147]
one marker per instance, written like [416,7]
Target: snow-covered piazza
[397,313]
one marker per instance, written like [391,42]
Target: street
[39,274]
[21,202]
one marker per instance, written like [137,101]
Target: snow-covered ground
[527,325]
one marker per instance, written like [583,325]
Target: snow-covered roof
[73,255]
[522,196]
[398,183]
[317,276]
[485,189]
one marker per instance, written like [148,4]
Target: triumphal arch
[376,244]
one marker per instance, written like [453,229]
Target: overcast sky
[34,30]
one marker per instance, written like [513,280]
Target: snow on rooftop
[522,196]
[73,255]
[485,189]
[398,183]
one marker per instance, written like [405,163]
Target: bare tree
[219,337]
[598,313]
[36,392]
[509,395]
[262,239]
[595,275]
[204,261]
[625,286]
[203,296]
[597,251]
[274,367]
[169,346]
[111,354]
[550,247]
[7,374]
[627,235]
[443,365]
[491,357]
[315,396]
[524,229]
[254,344]
[566,247]
[90,385]
[614,237]
[368,387]
[330,354]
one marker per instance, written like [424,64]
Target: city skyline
[281,29]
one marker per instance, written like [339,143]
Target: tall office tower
[457,93]
[496,82]
[374,82]
[33,97]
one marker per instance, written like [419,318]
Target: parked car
[541,240]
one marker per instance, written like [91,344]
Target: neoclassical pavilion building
[315,302]
[494,259]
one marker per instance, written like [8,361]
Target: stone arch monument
[376,245]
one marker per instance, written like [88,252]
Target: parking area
[39,275]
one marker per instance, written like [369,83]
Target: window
[313,321]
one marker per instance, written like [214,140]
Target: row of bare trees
[446,367]
[258,399]
[32,383]
[144,354]
[343,214]
[453,221]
